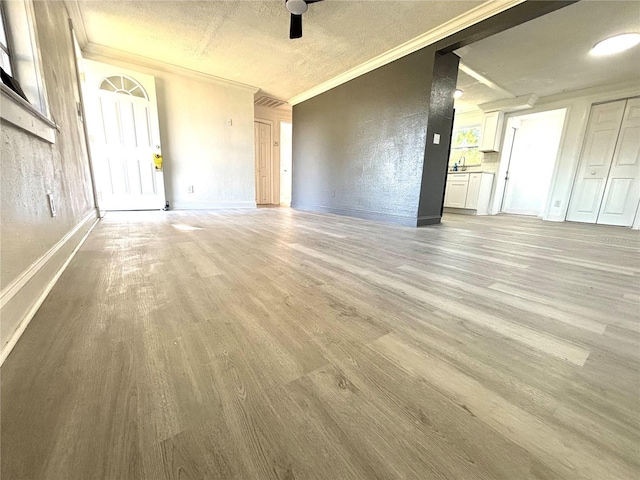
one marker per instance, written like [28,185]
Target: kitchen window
[465,147]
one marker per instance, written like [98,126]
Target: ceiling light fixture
[616,44]
[458,93]
[297,7]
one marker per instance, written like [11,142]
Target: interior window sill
[16,111]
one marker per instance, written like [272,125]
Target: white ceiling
[550,54]
[248,41]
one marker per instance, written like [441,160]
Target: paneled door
[264,163]
[622,191]
[597,155]
[124,137]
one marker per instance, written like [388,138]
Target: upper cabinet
[491,131]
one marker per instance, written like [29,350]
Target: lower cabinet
[469,191]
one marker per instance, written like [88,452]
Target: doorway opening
[286,153]
[531,149]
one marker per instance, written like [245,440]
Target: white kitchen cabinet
[468,193]
[491,131]
[456,190]
[473,191]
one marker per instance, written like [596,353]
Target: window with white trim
[20,52]
[5,54]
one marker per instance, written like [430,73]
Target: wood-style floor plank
[278,344]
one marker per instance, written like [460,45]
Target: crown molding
[473,16]
[94,51]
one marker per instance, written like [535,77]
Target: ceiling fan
[297,8]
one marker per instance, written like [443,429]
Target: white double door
[607,186]
[124,137]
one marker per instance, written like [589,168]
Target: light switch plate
[52,204]
[436,139]
[229,122]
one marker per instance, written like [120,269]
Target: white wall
[578,105]
[35,245]
[275,116]
[198,147]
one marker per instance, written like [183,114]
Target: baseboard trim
[378,217]
[428,220]
[18,300]
[211,206]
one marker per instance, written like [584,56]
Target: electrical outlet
[52,204]
[190,188]
[557,203]
[229,122]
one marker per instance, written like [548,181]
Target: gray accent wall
[358,149]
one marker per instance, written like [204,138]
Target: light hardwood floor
[277,344]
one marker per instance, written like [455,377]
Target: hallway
[274,343]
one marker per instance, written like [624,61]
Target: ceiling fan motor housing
[297,7]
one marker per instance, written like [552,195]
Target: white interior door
[622,191]
[286,137]
[533,157]
[599,147]
[124,137]
[264,163]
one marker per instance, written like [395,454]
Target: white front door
[264,163]
[597,154]
[533,157]
[124,137]
[622,192]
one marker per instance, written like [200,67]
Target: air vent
[269,102]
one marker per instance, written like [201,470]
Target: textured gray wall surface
[436,156]
[358,149]
[31,167]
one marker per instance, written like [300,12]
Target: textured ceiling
[550,54]
[248,41]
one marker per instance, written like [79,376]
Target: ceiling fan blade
[295,31]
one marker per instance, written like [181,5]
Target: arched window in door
[124,85]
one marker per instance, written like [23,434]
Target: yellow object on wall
[157,161]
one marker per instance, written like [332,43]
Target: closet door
[622,191]
[597,155]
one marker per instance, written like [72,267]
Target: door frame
[75,47]
[255,162]
[280,122]
[515,122]
[95,94]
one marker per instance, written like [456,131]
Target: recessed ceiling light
[457,93]
[616,44]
